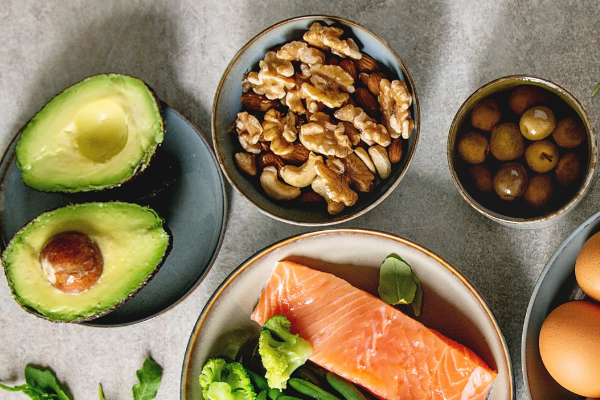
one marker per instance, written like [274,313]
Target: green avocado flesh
[131,238]
[96,134]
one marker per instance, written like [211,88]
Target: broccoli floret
[222,380]
[281,351]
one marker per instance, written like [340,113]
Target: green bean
[257,380]
[275,394]
[346,388]
[310,389]
[288,397]
[262,395]
[307,375]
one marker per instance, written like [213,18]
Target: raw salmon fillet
[369,342]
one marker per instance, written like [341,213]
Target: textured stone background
[181,48]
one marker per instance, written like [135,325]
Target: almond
[373,82]
[270,159]
[332,60]
[395,150]
[367,64]
[256,102]
[349,67]
[367,101]
[298,155]
[310,198]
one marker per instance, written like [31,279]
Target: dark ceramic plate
[183,184]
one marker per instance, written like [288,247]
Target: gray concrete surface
[181,48]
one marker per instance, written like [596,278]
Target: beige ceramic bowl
[451,304]
[517,213]
[227,104]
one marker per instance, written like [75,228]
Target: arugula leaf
[100,392]
[39,385]
[398,284]
[149,376]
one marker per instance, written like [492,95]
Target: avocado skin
[93,187]
[140,285]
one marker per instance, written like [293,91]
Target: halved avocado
[96,134]
[131,239]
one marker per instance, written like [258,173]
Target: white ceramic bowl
[553,288]
[450,303]
[227,104]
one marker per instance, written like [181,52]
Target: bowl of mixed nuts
[315,120]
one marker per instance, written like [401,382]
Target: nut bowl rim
[355,211]
[506,83]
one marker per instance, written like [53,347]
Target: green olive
[539,190]
[526,96]
[569,169]
[542,155]
[569,132]
[482,178]
[510,182]
[537,123]
[473,147]
[486,114]
[506,142]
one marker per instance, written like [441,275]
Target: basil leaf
[149,376]
[418,300]
[396,285]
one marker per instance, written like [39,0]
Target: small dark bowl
[518,213]
[227,104]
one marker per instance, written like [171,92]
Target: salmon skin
[367,341]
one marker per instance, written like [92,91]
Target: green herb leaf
[596,90]
[45,381]
[149,376]
[418,300]
[398,284]
[100,392]
[39,385]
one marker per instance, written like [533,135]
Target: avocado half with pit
[82,261]
[96,134]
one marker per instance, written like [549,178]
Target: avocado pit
[101,130]
[72,262]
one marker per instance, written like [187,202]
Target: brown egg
[570,346]
[587,267]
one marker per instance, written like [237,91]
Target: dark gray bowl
[533,220]
[227,104]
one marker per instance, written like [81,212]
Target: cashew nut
[246,162]
[274,187]
[381,160]
[303,175]
[362,154]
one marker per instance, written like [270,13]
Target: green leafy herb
[39,385]
[149,376]
[596,90]
[42,384]
[398,284]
